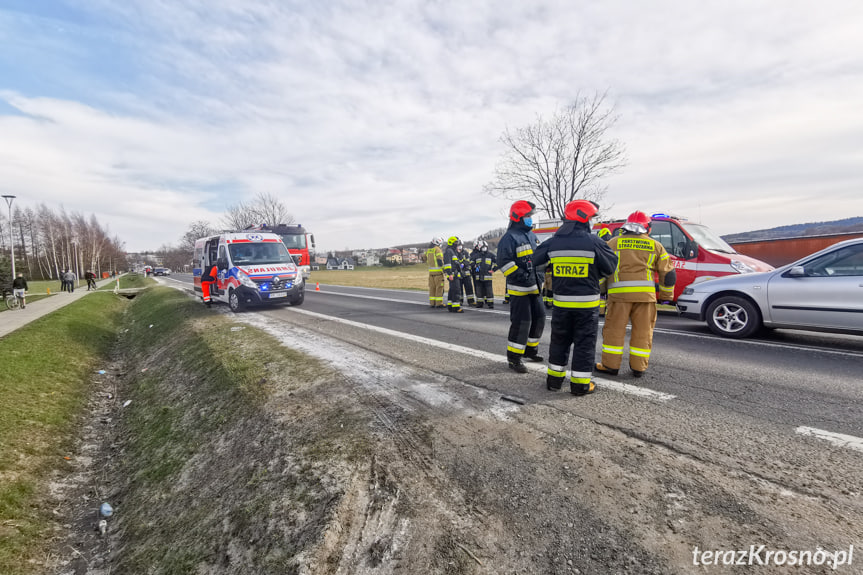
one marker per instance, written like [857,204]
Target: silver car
[821,292]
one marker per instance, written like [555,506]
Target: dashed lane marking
[493,357]
[839,439]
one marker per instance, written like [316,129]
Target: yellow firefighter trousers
[436,289]
[617,315]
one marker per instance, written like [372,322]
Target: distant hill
[848,225]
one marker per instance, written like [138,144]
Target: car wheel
[299,299]
[734,317]
[234,301]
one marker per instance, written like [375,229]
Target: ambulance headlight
[246,280]
[741,267]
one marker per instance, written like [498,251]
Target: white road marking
[839,439]
[601,323]
[493,357]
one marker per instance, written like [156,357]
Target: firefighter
[632,295]
[208,283]
[526,312]
[434,259]
[483,265]
[466,279]
[578,259]
[548,288]
[604,234]
[452,270]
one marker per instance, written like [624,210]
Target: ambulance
[698,253]
[254,268]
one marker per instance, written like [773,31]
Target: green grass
[129,281]
[47,369]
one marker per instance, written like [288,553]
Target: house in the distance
[337,263]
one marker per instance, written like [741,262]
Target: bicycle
[12,301]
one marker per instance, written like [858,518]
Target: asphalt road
[786,377]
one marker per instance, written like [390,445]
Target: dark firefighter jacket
[578,260]
[451,262]
[515,260]
[482,265]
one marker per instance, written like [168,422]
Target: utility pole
[11,235]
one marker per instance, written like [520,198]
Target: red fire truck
[298,240]
[698,253]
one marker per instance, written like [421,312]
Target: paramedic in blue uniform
[579,260]
[526,312]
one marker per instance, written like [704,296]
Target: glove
[665,302]
[450,278]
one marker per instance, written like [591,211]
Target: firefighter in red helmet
[526,313]
[578,260]
[632,295]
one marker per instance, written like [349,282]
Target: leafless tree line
[49,241]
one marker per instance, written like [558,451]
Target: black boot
[606,370]
[582,389]
[553,383]
[535,357]
[636,373]
[517,366]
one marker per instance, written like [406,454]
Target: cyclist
[19,289]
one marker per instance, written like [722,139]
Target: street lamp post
[77,267]
[11,235]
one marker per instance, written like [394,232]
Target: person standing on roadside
[452,269]
[69,276]
[483,265]
[632,295]
[19,289]
[526,312]
[434,259]
[578,260]
[466,279]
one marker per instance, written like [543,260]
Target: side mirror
[691,250]
[312,237]
[222,263]
[797,272]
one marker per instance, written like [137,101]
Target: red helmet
[637,222]
[521,209]
[580,210]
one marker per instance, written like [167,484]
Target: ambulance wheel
[301,297]
[734,317]
[234,301]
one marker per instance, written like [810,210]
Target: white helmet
[437,240]
[481,245]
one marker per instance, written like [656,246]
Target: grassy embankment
[128,281]
[47,369]
[228,457]
[228,433]
[412,277]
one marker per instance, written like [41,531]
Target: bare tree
[198,229]
[266,208]
[553,162]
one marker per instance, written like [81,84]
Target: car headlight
[688,291]
[741,267]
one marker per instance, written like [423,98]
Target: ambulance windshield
[259,254]
[707,239]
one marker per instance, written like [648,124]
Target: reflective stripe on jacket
[641,262]
[434,259]
[482,264]
[515,260]
[578,260]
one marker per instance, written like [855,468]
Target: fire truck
[698,253]
[297,239]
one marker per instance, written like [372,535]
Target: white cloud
[379,123]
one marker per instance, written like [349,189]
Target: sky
[378,123]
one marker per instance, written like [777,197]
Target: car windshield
[259,253]
[707,239]
[294,241]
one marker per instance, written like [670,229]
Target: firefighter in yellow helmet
[434,259]
[452,269]
[632,295]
